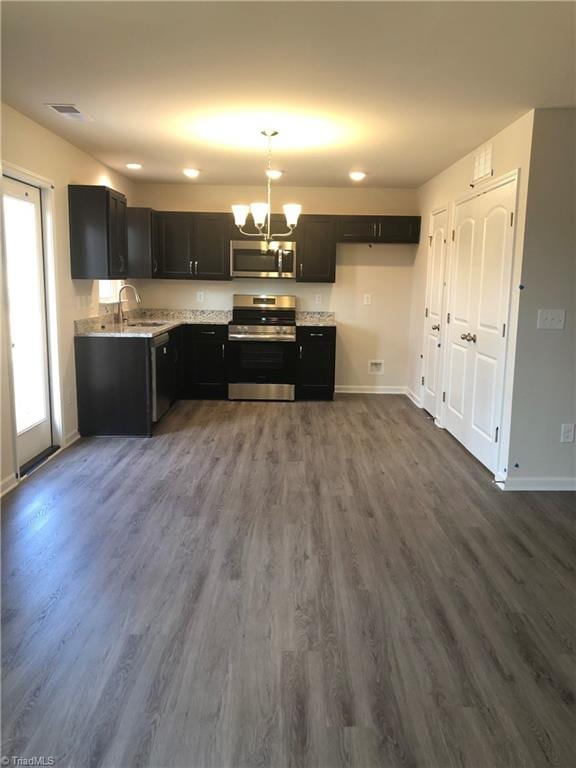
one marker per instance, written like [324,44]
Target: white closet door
[434,306]
[461,308]
[479,301]
[492,271]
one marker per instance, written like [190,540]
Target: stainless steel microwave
[261,259]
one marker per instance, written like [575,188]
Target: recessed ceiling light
[357,175]
[192,173]
[134,166]
[273,174]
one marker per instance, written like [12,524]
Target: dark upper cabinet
[98,233]
[316,249]
[211,246]
[316,362]
[378,229]
[143,255]
[175,239]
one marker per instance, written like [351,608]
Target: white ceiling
[399,90]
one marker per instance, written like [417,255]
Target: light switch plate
[367,299]
[318,298]
[551,319]
[200,297]
[567,433]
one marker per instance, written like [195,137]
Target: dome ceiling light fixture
[357,175]
[261,212]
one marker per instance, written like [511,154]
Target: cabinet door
[202,368]
[316,249]
[117,236]
[175,239]
[142,242]
[358,229]
[211,246]
[398,229]
[316,362]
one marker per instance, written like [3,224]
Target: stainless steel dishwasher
[161,368]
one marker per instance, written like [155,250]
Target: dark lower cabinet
[316,362]
[114,386]
[201,368]
[316,249]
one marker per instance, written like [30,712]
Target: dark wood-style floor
[292,584]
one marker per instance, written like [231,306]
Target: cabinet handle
[154,267]
[316,334]
[208,333]
[300,352]
[379,229]
[223,351]
[301,269]
[374,229]
[191,266]
[196,268]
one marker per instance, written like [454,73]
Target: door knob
[468,337]
[436,327]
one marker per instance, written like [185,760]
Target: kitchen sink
[146,324]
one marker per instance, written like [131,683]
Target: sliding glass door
[27,318]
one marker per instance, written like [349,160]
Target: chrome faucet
[136,296]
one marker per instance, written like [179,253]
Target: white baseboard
[7,484]
[357,389]
[414,397]
[71,437]
[538,484]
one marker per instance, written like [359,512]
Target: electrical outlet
[367,299]
[200,297]
[376,366]
[567,433]
[318,298]
[551,319]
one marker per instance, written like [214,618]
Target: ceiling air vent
[71,112]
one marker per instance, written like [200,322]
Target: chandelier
[261,212]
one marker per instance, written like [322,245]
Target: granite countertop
[172,318]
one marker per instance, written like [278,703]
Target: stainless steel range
[262,352]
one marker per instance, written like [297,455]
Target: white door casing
[480,277]
[433,321]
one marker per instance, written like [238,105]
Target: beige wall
[544,395]
[40,152]
[377,331]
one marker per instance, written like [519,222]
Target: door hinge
[503,330]
[422,380]
[430,238]
[453,235]
[448,318]
[426,313]
[496,435]
[511,218]
[443,397]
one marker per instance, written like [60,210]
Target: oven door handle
[260,337]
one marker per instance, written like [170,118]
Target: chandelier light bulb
[292,211]
[259,212]
[240,214]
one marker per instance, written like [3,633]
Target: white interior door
[461,308]
[27,317]
[479,302]
[491,279]
[434,313]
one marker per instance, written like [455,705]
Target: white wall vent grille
[482,163]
